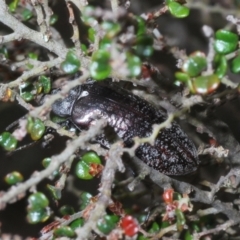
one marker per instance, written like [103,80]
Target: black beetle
[173,152]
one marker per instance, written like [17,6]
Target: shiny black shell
[173,152]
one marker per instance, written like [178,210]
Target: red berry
[129,225]
[168,195]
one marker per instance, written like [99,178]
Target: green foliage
[37,201]
[64,231]
[55,192]
[4,51]
[100,67]
[53,19]
[66,210]
[180,219]
[107,223]
[221,65]
[13,178]
[144,45]
[27,96]
[235,66]
[225,41]
[27,14]
[36,128]
[76,223]
[85,199]
[13,5]
[44,84]
[7,141]
[134,65]
[111,28]
[38,215]
[71,64]
[205,84]
[84,166]
[195,64]
[177,9]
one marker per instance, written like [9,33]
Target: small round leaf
[195,64]
[235,66]
[13,178]
[39,215]
[37,201]
[100,67]
[225,41]
[178,10]
[71,64]
[7,141]
[206,84]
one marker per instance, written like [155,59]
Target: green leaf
[77,223]
[235,66]
[164,224]
[45,82]
[55,192]
[222,65]
[37,201]
[7,141]
[225,41]
[111,28]
[27,96]
[86,15]
[82,170]
[154,228]
[66,210]
[4,51]
[178,10]
[206,84]
[36,128]
[13,178]
[100,67]
[188,236]
[85,198]
[144,45]
[134,65]
[53,19]
[195,64]
[91,157]
[37,216]
[71,64]
[105,44]
[141,25]
[91,34]
[46,162]
[107,223]
[183,77]
[13,5]
[180,219]
[64,231]
[27,14]
[33,55]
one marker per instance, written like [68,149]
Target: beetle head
[63,107]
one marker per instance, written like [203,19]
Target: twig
[113,163]
[72,21]
[114,5]
[24,32]
[219,228]
[39,67]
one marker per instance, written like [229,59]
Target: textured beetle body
[173,152]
